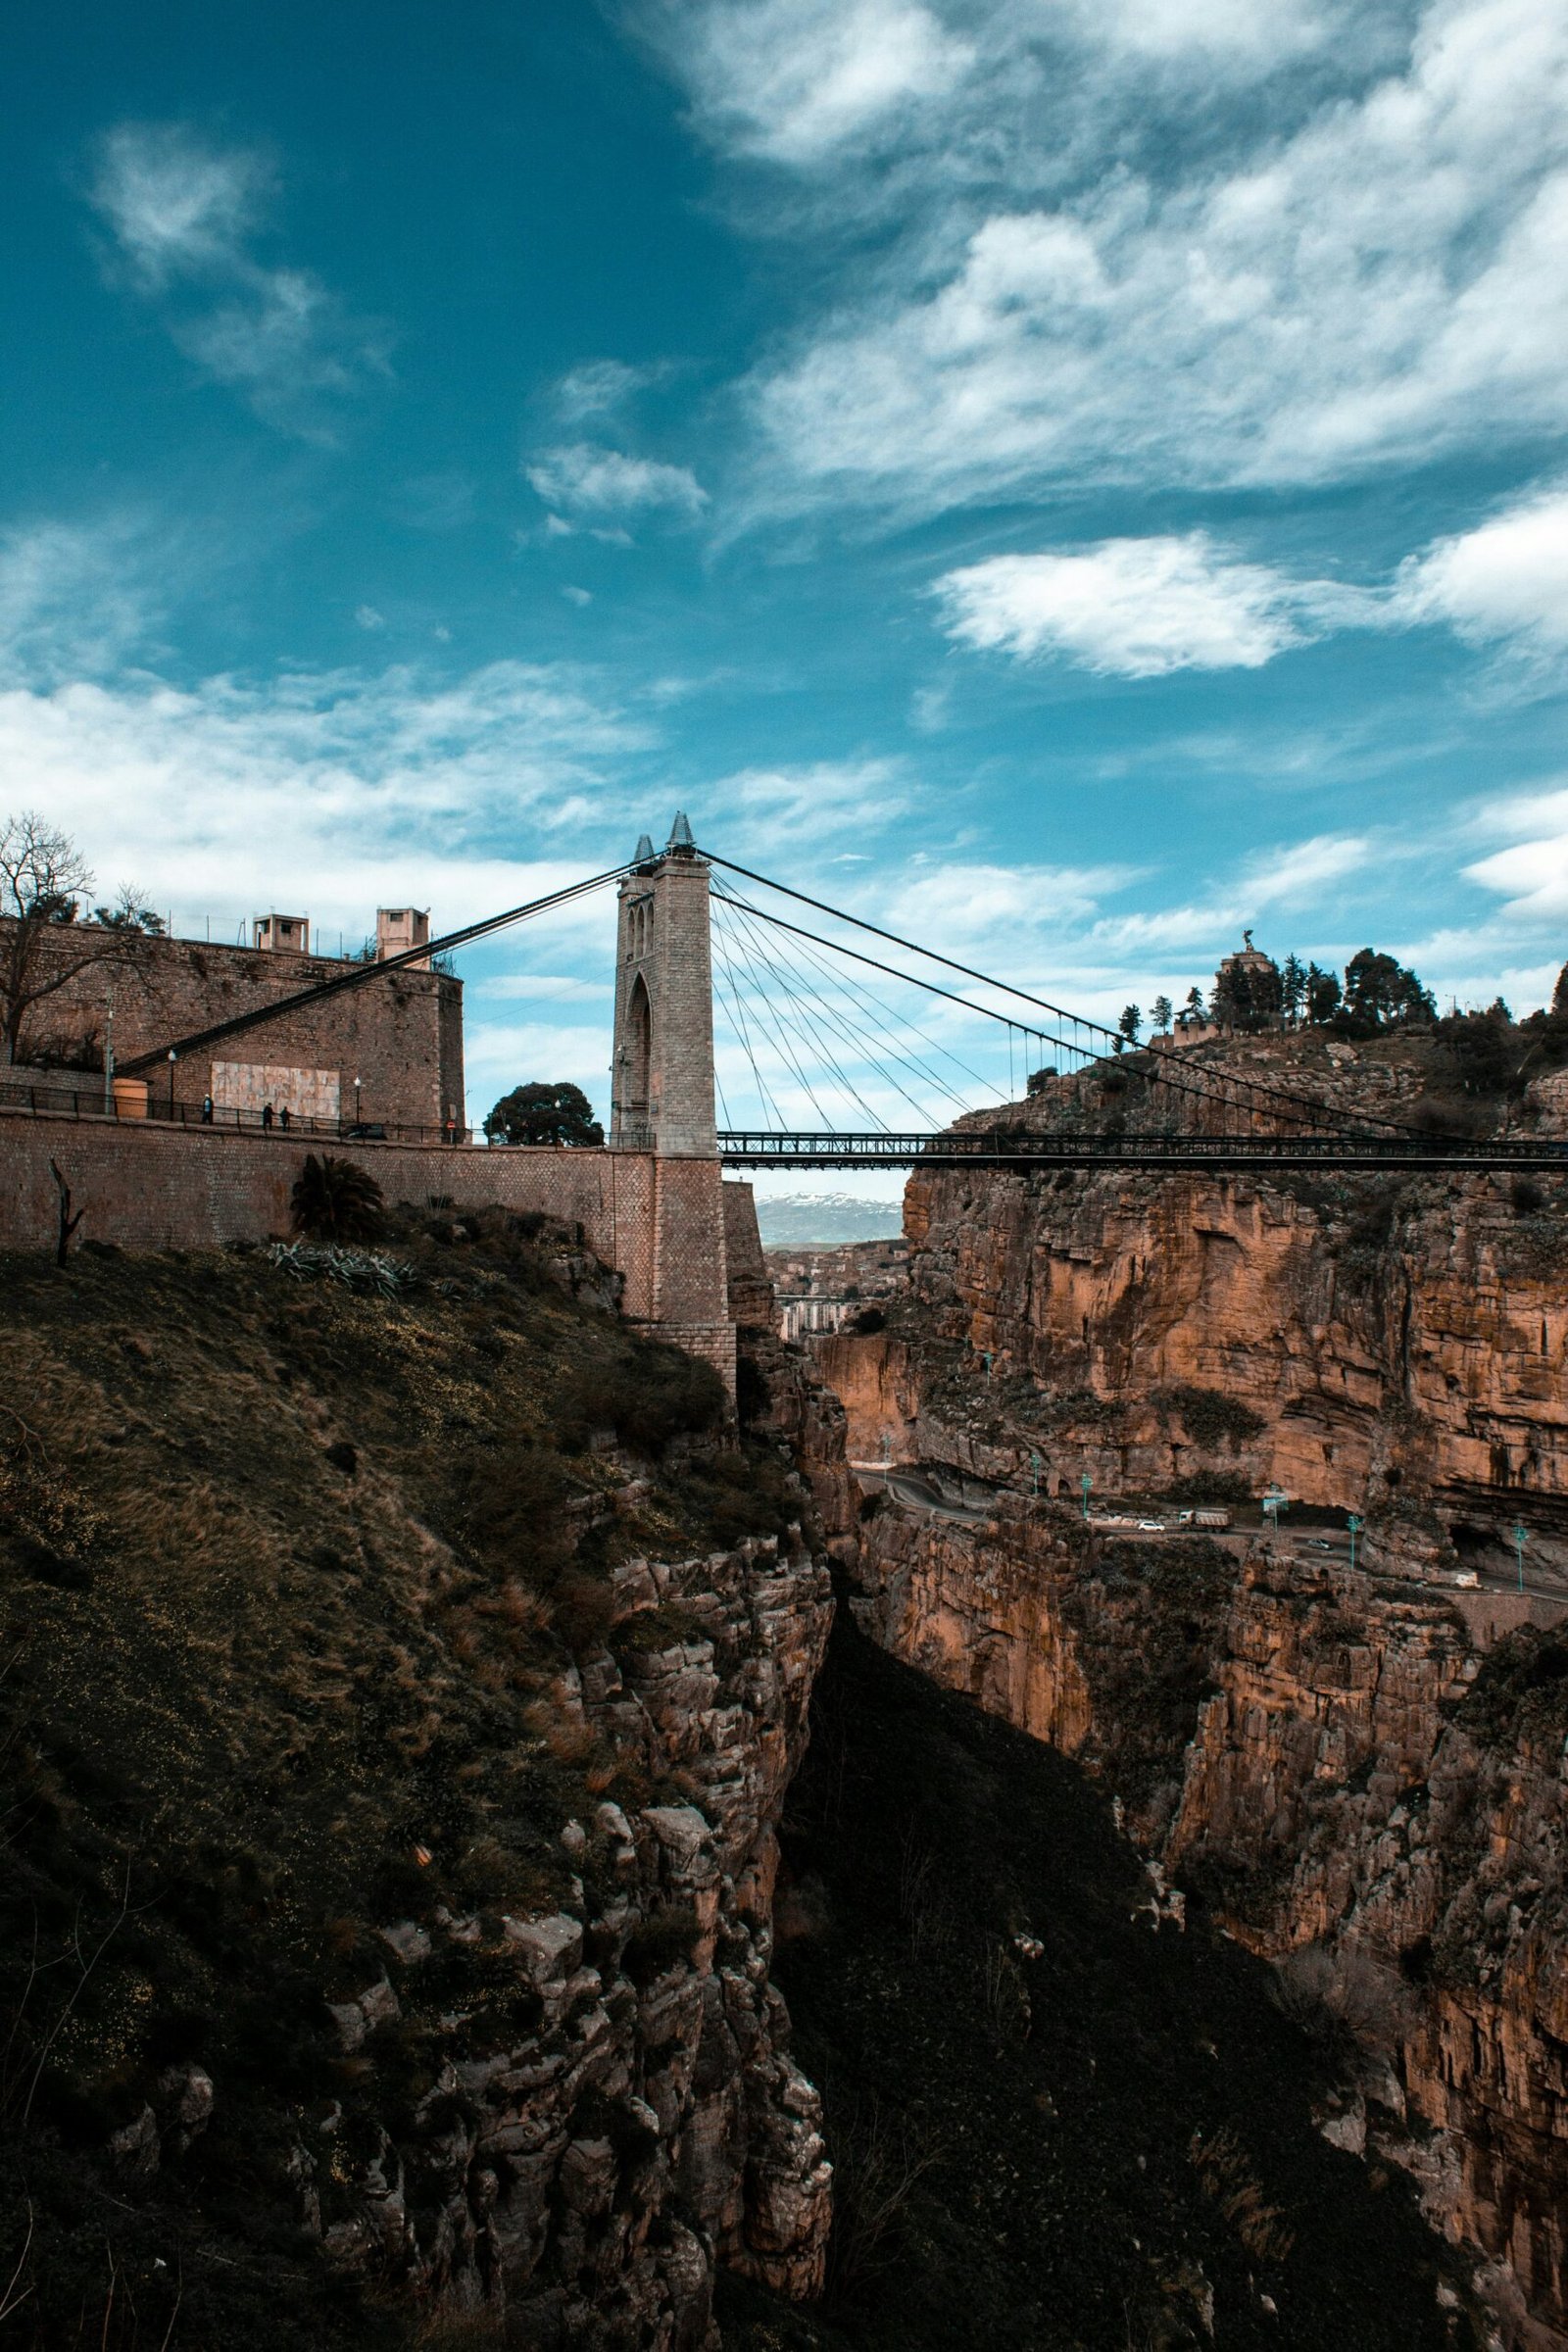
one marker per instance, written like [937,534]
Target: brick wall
[401,1035]
[150,1186]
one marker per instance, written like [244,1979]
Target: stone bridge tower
[662,1098]
[663,1079]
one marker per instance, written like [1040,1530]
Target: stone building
[653,1203]
[389,1053]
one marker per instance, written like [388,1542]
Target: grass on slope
[1106,2146]
[287,1575]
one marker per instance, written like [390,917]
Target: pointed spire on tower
[680,833]
[643,855]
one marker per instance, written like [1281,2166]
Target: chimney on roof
[398,928]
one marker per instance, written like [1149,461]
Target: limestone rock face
[1309,1747]
[644,2123]
[1381,1336]
[1295,1741]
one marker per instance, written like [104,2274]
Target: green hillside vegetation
[289,1570]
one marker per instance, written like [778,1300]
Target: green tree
[537,1114]
[1380,990]
[1132,1020]
[130,913]
[1159,1014]
[1322,993]
[1195,1006]
[1292,987]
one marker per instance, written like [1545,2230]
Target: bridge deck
[1001,1148]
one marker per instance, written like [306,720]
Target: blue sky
[1071,479]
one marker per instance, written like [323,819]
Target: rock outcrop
[1332,1758]
[1363,1340]
[643,2122]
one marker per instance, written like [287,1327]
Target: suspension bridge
[767,1027]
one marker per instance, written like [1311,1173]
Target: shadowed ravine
[1110,2143]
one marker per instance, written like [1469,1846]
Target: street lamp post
[173,1058]
[1275,1501]
[1520,1538]
[1356,1526]
[356,1101]
[1086,1482]
[1034,1471]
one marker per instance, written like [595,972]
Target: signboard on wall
[251,1085]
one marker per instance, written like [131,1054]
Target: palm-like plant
[336,1201]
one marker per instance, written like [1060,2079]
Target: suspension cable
[1316,1109]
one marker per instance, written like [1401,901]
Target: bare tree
[42,873]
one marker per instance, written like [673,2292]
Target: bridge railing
[1017,1148]
[87,1102]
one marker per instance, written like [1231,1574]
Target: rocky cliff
[643,2122]
[1368,1342]
[404,1668]
[1335,1761]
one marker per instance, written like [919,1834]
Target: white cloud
[1142,608]
[554,987]
[1381,281]
[176,207]
[185,216]
[956,901]
[368,618]
[1295,876]
[74,599]
[586,479]
[577,596]
[1504,583]
[604,387]
[339,791]
[768,805]
[1128,607]
[1531,874]
[790,80]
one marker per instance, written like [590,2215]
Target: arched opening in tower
[640,1041]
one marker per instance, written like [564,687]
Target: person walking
[207,1110]
[282,1116]
[267,1116]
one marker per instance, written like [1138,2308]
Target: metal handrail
[50,1101]
[1015,1148]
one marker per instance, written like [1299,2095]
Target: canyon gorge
[1353,1766]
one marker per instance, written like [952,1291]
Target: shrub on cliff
[648,1396]
[1520,1696]
[1347,2001]
[1209,1417]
